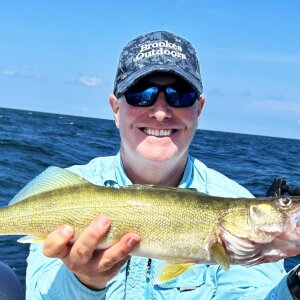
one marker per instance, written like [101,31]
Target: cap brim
[133,78]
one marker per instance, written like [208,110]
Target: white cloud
[278,98]
[8,72]
[245,93]
[276,106]
[86,80]
[215,92]
[21,73]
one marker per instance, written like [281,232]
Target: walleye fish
[180,226]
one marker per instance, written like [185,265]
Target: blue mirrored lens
[180,99]
[176,97]
[144,98]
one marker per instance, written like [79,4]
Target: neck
[142,171]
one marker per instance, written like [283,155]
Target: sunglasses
[144,94]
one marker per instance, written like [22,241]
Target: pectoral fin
[170,270]
[220,255]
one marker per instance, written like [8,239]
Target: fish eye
[285,202]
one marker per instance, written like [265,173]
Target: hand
[93,267]
[276,188]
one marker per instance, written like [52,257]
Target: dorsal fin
[51,178]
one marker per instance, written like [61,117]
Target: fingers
[93,267]
[56,243]
[89,240]
[110,273]
[118,252]
[104,264]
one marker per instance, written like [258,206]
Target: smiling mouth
[159,132]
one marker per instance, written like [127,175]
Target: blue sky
[61,56]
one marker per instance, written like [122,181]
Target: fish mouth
[158,132]
[292,227]
[298,227]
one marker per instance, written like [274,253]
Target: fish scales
[163,213]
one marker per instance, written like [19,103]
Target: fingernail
[67,230]
[103,222]
[132,242]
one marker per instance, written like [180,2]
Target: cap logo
[160,48]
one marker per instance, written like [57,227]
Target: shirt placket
[136,278]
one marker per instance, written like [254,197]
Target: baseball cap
[159,51]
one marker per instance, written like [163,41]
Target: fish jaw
[291,229]
[287,243]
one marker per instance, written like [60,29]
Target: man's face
[159,132]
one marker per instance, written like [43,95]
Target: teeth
[158,133]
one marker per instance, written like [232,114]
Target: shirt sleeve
[49,278]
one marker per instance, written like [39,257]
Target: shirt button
[273,296]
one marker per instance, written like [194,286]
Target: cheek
[191,119]
[126,120]
[122,117]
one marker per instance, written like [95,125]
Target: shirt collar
[117,176]
[187,178]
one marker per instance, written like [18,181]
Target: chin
[159,155]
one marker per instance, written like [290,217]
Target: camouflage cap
[158,51]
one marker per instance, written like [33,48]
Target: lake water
[32,141]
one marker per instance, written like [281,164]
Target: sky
[61,56]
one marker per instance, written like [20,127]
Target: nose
[160,110]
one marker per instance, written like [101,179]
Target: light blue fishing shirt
[49,278]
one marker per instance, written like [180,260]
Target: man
[157,103]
